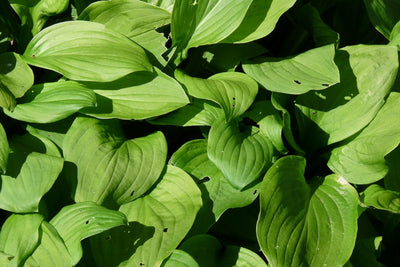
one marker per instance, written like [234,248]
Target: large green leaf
[384,14]
[134,19]
[361,160]
[380,198]
[311,70]
[218,194]
[137,96]
[83,50]
[208,251]
[233,91]
[19,237]
[37,176]
[158,223]
[15,79]
[193,22]
[260,20]
[51,102]
[180,258]
[304,224]
[111,168]
[4,150]
[51,250]
[367,74]
[165,4]
[242,154]
[395,36]
[82,220]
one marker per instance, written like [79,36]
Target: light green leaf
[193,22]
[165,4]
[5,259]
[218,194]
[260,20]
[50,102]
[311,70]
[23,193]
[395,36]
[367,74]
[384,14]
[88,51]
[134,19]
[180,258]
[15,79]
[361,161]
[380,198]
[4,150]
[304,224]
[233,91]
[81,220]
[208,251]
[111,168]
[19,237]
[51,250]
[137,96]
[160,221]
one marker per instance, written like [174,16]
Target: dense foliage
[199,133]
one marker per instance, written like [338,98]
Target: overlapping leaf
[384,14]
[50,102]
[81,220]
[311,70]
[111,168]
[4,150]
[361,160]
[180,258]
[380,198]
[88,51]
[158,223]
[304,224]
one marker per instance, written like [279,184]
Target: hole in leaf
[33,56]
[233,105]
[108,238]
[132,193]
[325,84]
[234,98]
[203,180]
[87,222]
[165,230]
[141,264]
[296,81]
[255,192]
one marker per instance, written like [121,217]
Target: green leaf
[137,96]
[260,20]
[15,79]
[361,161]
[23,193]
[19,237]
[218,194]
[50,102]
[5,259]
[165,4]
[384,14]
[81,220]
[304,224]
[188,32]
[111,168]
[242,155]
[88,51]
[180,258]
[162,219]
[208,251]
[395,36]
[367,74]
[233,91]
[51,250]
[134,19]
[311,70]
[391,180]
[380,198]
[4,150]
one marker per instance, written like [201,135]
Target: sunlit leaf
[384,14]
[4,150]
[180,258]
[380,198]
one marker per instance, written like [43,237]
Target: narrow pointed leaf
[260,20]
[380,198]
[88,51]
[23,193]
[311,70]
[81,220]
[241,156]
[50,102]
[384,14]
[51,250]
[109,166]
[233,91]
[19,237]
[361,160]
[4,150]
[304,224]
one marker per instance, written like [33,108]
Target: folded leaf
[384,14]
[311,70]
[86,51]
[304,224]
[380,198]
[81,220]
